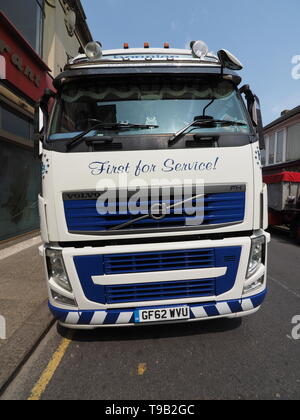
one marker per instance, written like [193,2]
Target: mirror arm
[43,106]
[44,102]
[252,100]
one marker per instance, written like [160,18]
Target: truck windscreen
[166,103]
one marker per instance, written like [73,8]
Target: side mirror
[229,61]
[254,109]
[41,119]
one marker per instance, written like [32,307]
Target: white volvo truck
[153,208]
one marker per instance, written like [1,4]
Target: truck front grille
[88,266]
[218,209]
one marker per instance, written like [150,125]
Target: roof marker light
[126,46]
[199,49]
[146,45]
[93,50]
[166,45]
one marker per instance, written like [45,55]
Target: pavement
[253,358]
[23,304]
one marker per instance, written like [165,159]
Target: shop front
[24,77]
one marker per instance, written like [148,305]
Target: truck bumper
[125,317]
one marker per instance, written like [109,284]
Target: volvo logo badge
[158,211]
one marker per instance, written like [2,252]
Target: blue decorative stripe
[235,306]
[218,208]
[211,310]
[99,265]
[85,318]
[126,316]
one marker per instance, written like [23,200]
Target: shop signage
[24,69]
[18,62]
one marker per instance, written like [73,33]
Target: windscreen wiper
[204,121]
[107,126]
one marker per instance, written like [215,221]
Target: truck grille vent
[218,208]
[159,291]
[88,266]
[162,261]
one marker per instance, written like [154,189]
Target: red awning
[282,177]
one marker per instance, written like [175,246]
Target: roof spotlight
[93,50]
[199,49]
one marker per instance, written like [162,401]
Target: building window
[20,173]
[28,17]
[272,140]
[275,148]
[280,146]
[19,186]
[15,126]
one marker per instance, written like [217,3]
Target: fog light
[254,285]
[63,299]
[257,255]
[56,269]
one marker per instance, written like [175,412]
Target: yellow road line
[50,370]
[142,367]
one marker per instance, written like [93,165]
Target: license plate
[161,314]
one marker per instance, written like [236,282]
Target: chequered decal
[125,316]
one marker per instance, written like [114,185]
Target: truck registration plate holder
[144,315]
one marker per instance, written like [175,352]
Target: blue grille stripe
[190,252]
[130,297]
[153,286]
[158,291]
[147,267]
[77,211]
[209,198]
[97,223]
[159,261]
[82,215]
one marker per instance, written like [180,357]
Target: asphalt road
[253,358]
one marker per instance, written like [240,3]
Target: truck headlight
[257,255]
[56,269]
